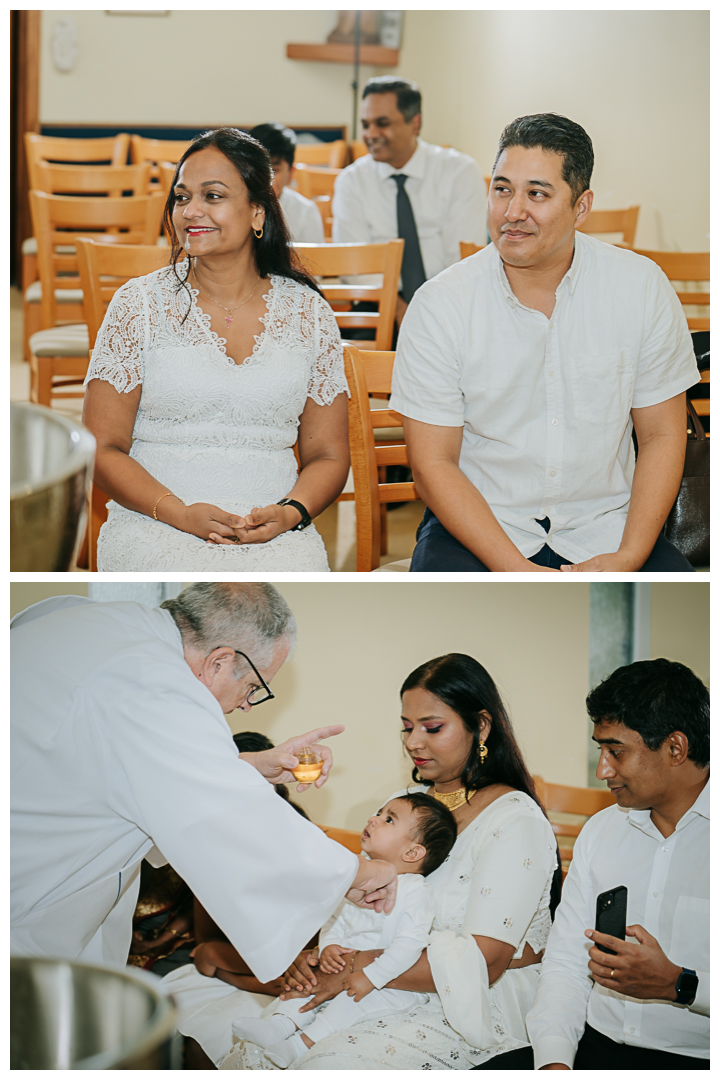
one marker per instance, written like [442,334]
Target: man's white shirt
[119,752]
[446,192]
[303,217]
[545,403]
[668,883]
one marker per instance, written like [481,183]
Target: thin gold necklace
[229,316]
[453,799]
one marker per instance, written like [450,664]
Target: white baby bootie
[284,1053]
[263,1032]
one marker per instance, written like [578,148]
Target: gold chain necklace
[452,799]
[229,316]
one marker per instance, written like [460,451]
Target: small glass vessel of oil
[309,766]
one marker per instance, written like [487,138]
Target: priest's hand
[375,885]
[276,765]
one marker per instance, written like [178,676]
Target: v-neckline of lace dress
[220,343]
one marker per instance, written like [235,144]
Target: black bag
[688,523]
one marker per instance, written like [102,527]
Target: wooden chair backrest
[105,267]
[563,799]
[349,260]
[154,151]
[313,181]
[349,838]
[684,266]
[58,221]
[112,180]
[370,372]
[334,154]
[112,149]
[358,149]
[467,248]
[613,221]
[488,181]
[166,172]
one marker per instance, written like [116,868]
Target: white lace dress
[496,882]
[211,430]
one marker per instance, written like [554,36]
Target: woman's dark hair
[467,688]
[252,742]
[273,253]
[557,135]
[655,698]
[436,828]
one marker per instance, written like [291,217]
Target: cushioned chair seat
[33,295]
[61,341]
[29,246]
[400,567]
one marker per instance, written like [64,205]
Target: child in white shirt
[415,833]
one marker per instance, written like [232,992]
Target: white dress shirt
[446,192]
[403,934]
[545,403]
[668,883]
[120,752]
[303,217]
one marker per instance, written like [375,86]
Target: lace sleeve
[328,373]
[118,354]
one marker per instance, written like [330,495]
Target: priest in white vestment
[120,751]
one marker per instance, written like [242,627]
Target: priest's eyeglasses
[260,693]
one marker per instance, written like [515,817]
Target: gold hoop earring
[259,234]
[482,752]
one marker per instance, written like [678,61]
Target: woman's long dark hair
[464,685]
[273,253]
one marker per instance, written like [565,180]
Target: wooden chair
[44,148]
[312,181]
[358,149]
[332,154]
[349,260]
[166,173]
[154,151]
[686,267]
[349,838]
[467,248]
[59,351]
[109,180]
[613,221]
[562,799]
[371,373]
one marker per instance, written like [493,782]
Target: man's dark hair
[557,135]
[655,698]
[409,101]
[436,828]
[278,140]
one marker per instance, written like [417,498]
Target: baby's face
[388,834]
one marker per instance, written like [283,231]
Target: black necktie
[413,271]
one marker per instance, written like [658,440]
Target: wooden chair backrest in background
[467,248]
[370,372]
[109,180]
[154,151]
[105,267]
[349,260]
[58,221]
[683,266]
[113,149]
[563,799]
[166,172]
[613,221]
[349,838]
[334,154]
[358,149]
[312,181]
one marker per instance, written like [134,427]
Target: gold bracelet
[161,499]
[352,961]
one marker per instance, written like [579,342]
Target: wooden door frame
[24,111]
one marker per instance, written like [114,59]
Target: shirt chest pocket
[602,387]
[690,941]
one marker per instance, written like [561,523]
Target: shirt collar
[700,808]
[569,281]
[415,167]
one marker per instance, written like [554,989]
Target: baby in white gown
[415,833]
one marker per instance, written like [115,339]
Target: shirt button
[551,374]
[665,849]
[554,423]
[552,473]
[655,894]
[631,1031]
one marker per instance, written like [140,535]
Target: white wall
[638,81]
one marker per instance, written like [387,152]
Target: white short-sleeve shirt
[545,403]
[303,217]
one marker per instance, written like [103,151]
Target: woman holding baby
[471,986]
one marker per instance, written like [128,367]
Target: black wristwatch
[686,988]
[305,518]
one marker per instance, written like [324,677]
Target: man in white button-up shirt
[302,215]
[648,1006]
[445,188]
[522,371]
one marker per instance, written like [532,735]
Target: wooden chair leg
[383,529]
[31,325]
[41,368]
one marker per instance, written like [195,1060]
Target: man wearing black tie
[429,196]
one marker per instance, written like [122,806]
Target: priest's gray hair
[250,616]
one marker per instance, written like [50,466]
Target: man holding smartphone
[646,1003]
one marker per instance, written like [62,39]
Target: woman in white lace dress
[206,373]
[493,896]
